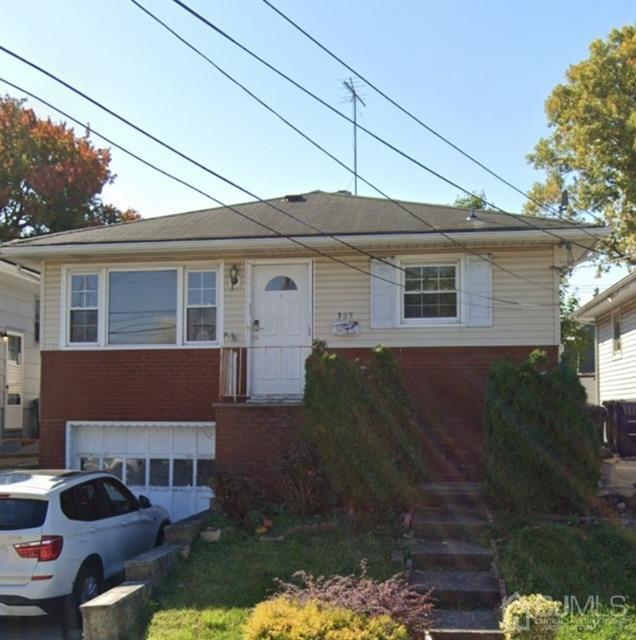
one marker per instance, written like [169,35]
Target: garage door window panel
[205,472]
[136,472]
[183,472]
[159,472]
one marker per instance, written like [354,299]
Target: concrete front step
[438,524]
[451,589]
[455,554]
[447,494]
[463,624]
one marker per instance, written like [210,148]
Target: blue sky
[479,72]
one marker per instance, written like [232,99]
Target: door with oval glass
[14,382]
[281,329]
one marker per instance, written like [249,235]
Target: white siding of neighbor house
[617,371]
[17,309]
[340,289]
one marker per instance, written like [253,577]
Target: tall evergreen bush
[368,445]
[540,454]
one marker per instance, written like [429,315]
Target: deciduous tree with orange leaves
[50,179]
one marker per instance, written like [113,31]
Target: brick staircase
[452,558]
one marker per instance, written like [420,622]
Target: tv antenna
[354,97]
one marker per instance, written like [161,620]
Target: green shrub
[284,619]
[541,453]
[531,617]
[368,446]
[233,497]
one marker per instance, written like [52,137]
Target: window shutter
[383,294]
[478,294]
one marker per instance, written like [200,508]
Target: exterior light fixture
[4,336]
[234,276]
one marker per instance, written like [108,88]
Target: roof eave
[613,297]
[319,242]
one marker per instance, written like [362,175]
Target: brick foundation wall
[447,386]
[139,384]
[250,438]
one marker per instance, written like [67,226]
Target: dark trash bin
[621,427]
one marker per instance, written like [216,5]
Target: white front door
[281,329]
[14,382]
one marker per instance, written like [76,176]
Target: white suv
[65,534]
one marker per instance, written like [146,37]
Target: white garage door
[170,463]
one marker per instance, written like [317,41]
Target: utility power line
[330,155]
[231,182]
[213,198]
[376,136]
[415,118]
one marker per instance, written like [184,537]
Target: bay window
[122,307]
[430,293]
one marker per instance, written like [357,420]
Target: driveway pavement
[42,628]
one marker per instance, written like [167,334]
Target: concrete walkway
[42,628]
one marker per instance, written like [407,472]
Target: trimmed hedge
[284,619]
[360,420]
[541,453]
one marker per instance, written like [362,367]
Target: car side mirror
[144,503]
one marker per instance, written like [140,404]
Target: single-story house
[613,314]
[19,350]
[175,345]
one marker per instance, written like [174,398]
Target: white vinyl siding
[617,369]
[339,289]
[17,297]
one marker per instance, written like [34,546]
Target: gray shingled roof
[333,213]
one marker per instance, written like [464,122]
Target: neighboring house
[19,350]
[613,313]
[175,345]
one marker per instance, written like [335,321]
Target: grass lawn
[210,595]
[564,560]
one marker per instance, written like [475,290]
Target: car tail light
[44,550]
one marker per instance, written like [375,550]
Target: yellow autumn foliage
[284,619]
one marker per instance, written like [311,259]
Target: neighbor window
[430,292]
[201,306]
[83,306]
[142,307]
[36,319]
[616,332]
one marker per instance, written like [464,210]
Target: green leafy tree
[591,151]
[574,336]
[477,200]
[50,179]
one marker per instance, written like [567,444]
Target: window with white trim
[83,308]
[430,293]
[200,320]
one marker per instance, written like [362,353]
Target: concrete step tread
[445,547]
[465,619]
[453,488]
[446,516]
[459,581]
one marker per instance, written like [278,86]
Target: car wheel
[161,534]
[88,584]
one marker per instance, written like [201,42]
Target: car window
[85,502]
[20,513]
[121,499]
